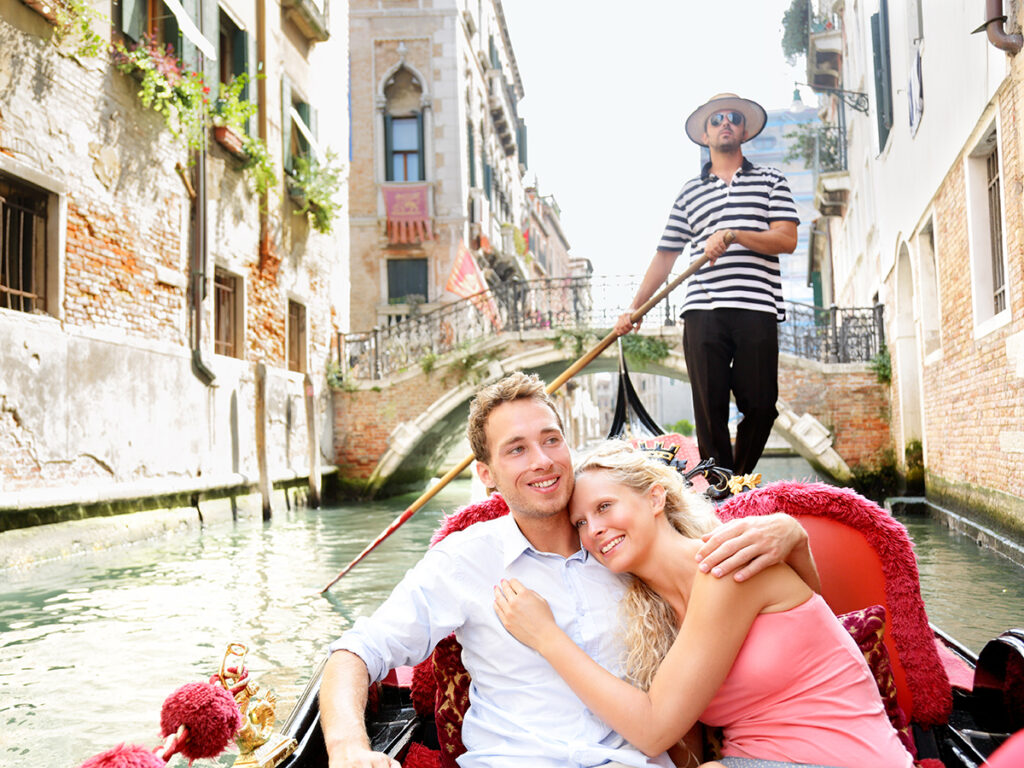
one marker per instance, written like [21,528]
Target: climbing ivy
[641,351]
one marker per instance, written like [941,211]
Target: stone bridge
[395,430]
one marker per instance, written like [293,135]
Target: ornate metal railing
[579,304]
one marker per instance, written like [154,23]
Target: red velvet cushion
[866,627]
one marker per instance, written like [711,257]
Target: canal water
[91,646]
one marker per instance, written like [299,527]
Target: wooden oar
[567,374]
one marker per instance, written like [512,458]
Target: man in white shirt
[521,713]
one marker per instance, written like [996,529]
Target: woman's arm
[719,615]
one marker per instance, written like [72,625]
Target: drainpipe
[993,26]
[199,251]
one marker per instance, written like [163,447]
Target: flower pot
[45,8]
[231,140]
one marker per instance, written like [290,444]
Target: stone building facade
[926,217]
[439,155]
[144,284]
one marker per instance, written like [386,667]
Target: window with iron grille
[406,277]
[296,337]
[990,291]
[227,315]
[995,228]
[23,246]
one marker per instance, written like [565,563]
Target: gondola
[959,707]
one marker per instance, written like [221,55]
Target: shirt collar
[514,543]
[745,167]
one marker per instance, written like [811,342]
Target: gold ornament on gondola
[737,483]
[259,746]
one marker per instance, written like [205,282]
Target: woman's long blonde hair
[650,621]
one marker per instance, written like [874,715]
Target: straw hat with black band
[753,115]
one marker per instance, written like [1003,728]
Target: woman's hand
[525,614]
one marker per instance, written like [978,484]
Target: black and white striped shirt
[740,278]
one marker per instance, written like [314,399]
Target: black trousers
[737,351]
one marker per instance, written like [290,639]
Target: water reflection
[90,647]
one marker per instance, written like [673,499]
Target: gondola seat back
[864,558]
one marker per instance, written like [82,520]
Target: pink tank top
[800,691]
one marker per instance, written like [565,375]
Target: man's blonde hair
[515,386]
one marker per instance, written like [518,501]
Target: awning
[190,30]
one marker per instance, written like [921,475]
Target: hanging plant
[73,33]
[230,115]
[313,186]
[167,87]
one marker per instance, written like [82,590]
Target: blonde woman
[765,658]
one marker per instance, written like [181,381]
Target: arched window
[403,127]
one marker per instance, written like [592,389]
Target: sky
[606,96]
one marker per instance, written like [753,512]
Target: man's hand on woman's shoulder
[746,546]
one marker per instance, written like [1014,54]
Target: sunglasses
[736,118]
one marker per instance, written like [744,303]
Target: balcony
[502,104]
[825,54]
[310,16]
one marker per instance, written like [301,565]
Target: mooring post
[261,438]
[313,442]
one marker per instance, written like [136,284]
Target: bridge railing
[579,303]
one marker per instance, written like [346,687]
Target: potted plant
[167,87]
[313,185]
[230,113]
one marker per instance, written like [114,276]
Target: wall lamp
[853,99]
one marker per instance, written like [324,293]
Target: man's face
[729,132]
[529,459]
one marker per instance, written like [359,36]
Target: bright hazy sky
[607,92]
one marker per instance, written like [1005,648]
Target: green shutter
[388,164]
[880,77]
[471,154]
[187,51]
[521,139]
[133,18]
[240,59]
[286,123]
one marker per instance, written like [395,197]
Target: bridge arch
[415,447]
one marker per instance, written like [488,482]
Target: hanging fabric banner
[466,280]
[408,213]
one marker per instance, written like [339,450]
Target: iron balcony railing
[581,304]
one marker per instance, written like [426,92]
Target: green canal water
[92,645]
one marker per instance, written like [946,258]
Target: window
[23,246]
[233,53]
[883,71]
[296,337]
[406,278]
[403,127]
[985,227]
[227,314]
[300,125]
[151,19]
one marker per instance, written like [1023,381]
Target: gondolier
[742,216]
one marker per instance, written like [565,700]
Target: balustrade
[828,335]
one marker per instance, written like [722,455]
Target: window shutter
[240,59]
[389,174]
[521,140]
[286,123]
[303,109]
[471,154]
[209,25]
[421,152]
[883,75]
[133,19]
[187,51]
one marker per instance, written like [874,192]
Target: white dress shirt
[521,712]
